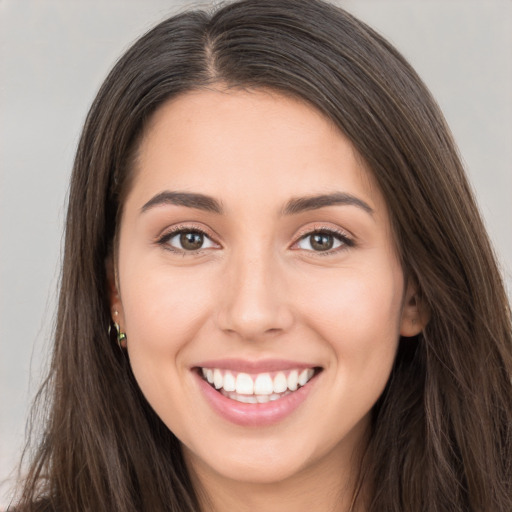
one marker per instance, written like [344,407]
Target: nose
[255,302]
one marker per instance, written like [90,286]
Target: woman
[277,292]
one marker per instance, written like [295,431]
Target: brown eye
[321,241]
[191,241]
[324,241]
[187,241]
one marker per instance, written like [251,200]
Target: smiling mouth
[257,388]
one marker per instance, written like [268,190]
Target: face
[258,285]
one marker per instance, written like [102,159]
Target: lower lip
[254,415]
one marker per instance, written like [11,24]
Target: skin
[258,289]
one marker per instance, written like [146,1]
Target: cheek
[357,312]
[163,309]
[357,299]
[358,318]
[157,294]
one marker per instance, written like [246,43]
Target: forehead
[234,142]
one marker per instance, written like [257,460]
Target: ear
[415,315]
[116,306]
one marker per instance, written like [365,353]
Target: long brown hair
[441,435]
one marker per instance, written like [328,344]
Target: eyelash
[342,237]
[178,230]
[346,241]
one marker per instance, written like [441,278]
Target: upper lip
[260,366]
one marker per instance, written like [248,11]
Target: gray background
[53,57]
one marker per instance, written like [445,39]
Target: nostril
[253,324]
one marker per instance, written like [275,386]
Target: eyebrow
[303,204]
[188,199]
[292,207]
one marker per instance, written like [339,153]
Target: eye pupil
[191,240]
[322,241]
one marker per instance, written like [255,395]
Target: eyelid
[169,232]
[346,237]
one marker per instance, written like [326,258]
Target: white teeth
[244,384]
[263,384]
[218,381]
[247,399]
[293,380]
[252,399]
[229,382]
[280,383]
[303,377]
[261,387]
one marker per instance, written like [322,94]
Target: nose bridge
[254,300]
